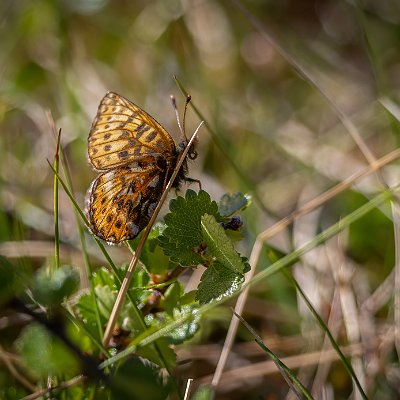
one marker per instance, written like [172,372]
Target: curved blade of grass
[324,327]
[129,273]
[86,259]
[101,246]
[55,197]
[135,310]
[291,379]
[325,235]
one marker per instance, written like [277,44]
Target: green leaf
[140,279]
[138,379]
[185,331]
[171,297]
[43,354]
[150,352]
[188,298]
[188,329]
[106,299]
[204,392]
[218,281]
[230,204]
[184,256]
[86,311]
[219,245]
[51,290]
[106,292]
[129,319]
[103,277]
[153,256]
[183,233]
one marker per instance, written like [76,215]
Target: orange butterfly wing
[122,132]
[137,157]
[122,201]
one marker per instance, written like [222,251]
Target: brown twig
[242,374]
[127,279]
[72,382]
[14,372]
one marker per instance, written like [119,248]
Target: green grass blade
[56,203]
[292,380]
[322,324]
[86,259]
[138,314]
[325,235]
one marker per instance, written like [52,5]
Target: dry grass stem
[67,384]
[14,372]
[128,276]
[396,292]
[239,375]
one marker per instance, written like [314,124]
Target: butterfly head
[192,154]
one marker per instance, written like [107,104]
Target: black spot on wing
[123,154]
[151,136]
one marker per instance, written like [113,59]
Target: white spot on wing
[108,186]
[132,228]
[154,182]
[151,209]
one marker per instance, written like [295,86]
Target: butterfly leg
[192,180]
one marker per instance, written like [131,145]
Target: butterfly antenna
[173,100]
[188,98]
[182,127]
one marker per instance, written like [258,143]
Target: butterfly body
[136,157]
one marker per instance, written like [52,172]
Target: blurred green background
[274,136]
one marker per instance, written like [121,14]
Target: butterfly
[136,157]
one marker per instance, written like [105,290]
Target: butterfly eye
[182,145]
[192,154]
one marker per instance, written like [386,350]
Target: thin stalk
[328,333]
[125,284]
[114,268]
[56,204]
[292,380]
